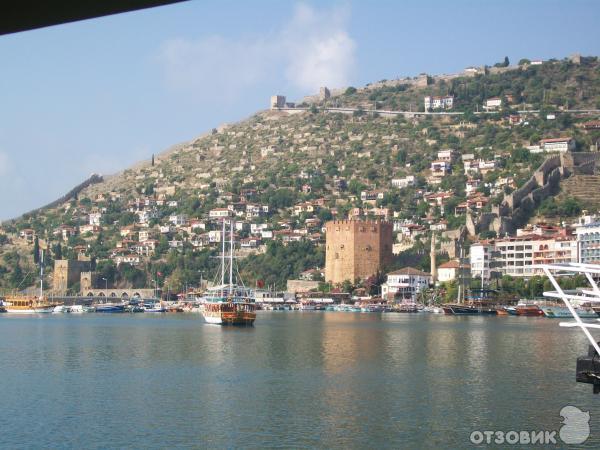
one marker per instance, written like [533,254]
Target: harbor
[357,380]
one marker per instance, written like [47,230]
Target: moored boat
[30,304]
[109,307]
[155,307]
[407,308]
[562,312]
[468,310]
[230,313]
[229,304]
[25,304]
[528,310]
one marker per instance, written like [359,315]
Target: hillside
[284,172]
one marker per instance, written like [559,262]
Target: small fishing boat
[155,307]
[407,308]
[372,307]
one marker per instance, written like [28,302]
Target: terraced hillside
[282,174]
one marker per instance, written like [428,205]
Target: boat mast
[42,275]
[223,258]
[231,257]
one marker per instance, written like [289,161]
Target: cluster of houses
[253,225]
[516,256]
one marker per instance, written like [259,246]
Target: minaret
[433,262]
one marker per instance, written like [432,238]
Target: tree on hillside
[36,250]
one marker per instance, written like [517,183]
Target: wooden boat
[229,304]
[528,310]
[30,304]
[230,313]
[26,304]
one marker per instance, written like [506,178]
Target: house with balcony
[405,284]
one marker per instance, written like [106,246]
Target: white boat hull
[213,319]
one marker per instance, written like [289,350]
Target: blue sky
[99,95]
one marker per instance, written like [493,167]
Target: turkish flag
[260,283]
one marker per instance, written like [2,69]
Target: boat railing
[570,298]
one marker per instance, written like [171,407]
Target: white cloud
[319,49]
[312,49]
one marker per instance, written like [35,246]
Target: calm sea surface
[295,380]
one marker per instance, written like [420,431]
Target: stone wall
[67,272]
[516,208]
[301,285]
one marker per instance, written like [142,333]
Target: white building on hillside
[562,145]
[400,183]
[445,102]
[492,103]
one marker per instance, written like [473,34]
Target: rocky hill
[366,152]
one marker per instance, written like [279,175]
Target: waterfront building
[405,284]
[480,255]
[519,256]
[452,270]
[356,249]
[588,242]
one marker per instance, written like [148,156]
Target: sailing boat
[28,304]
[476,305]
[229,304]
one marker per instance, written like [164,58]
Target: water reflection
[295,380]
